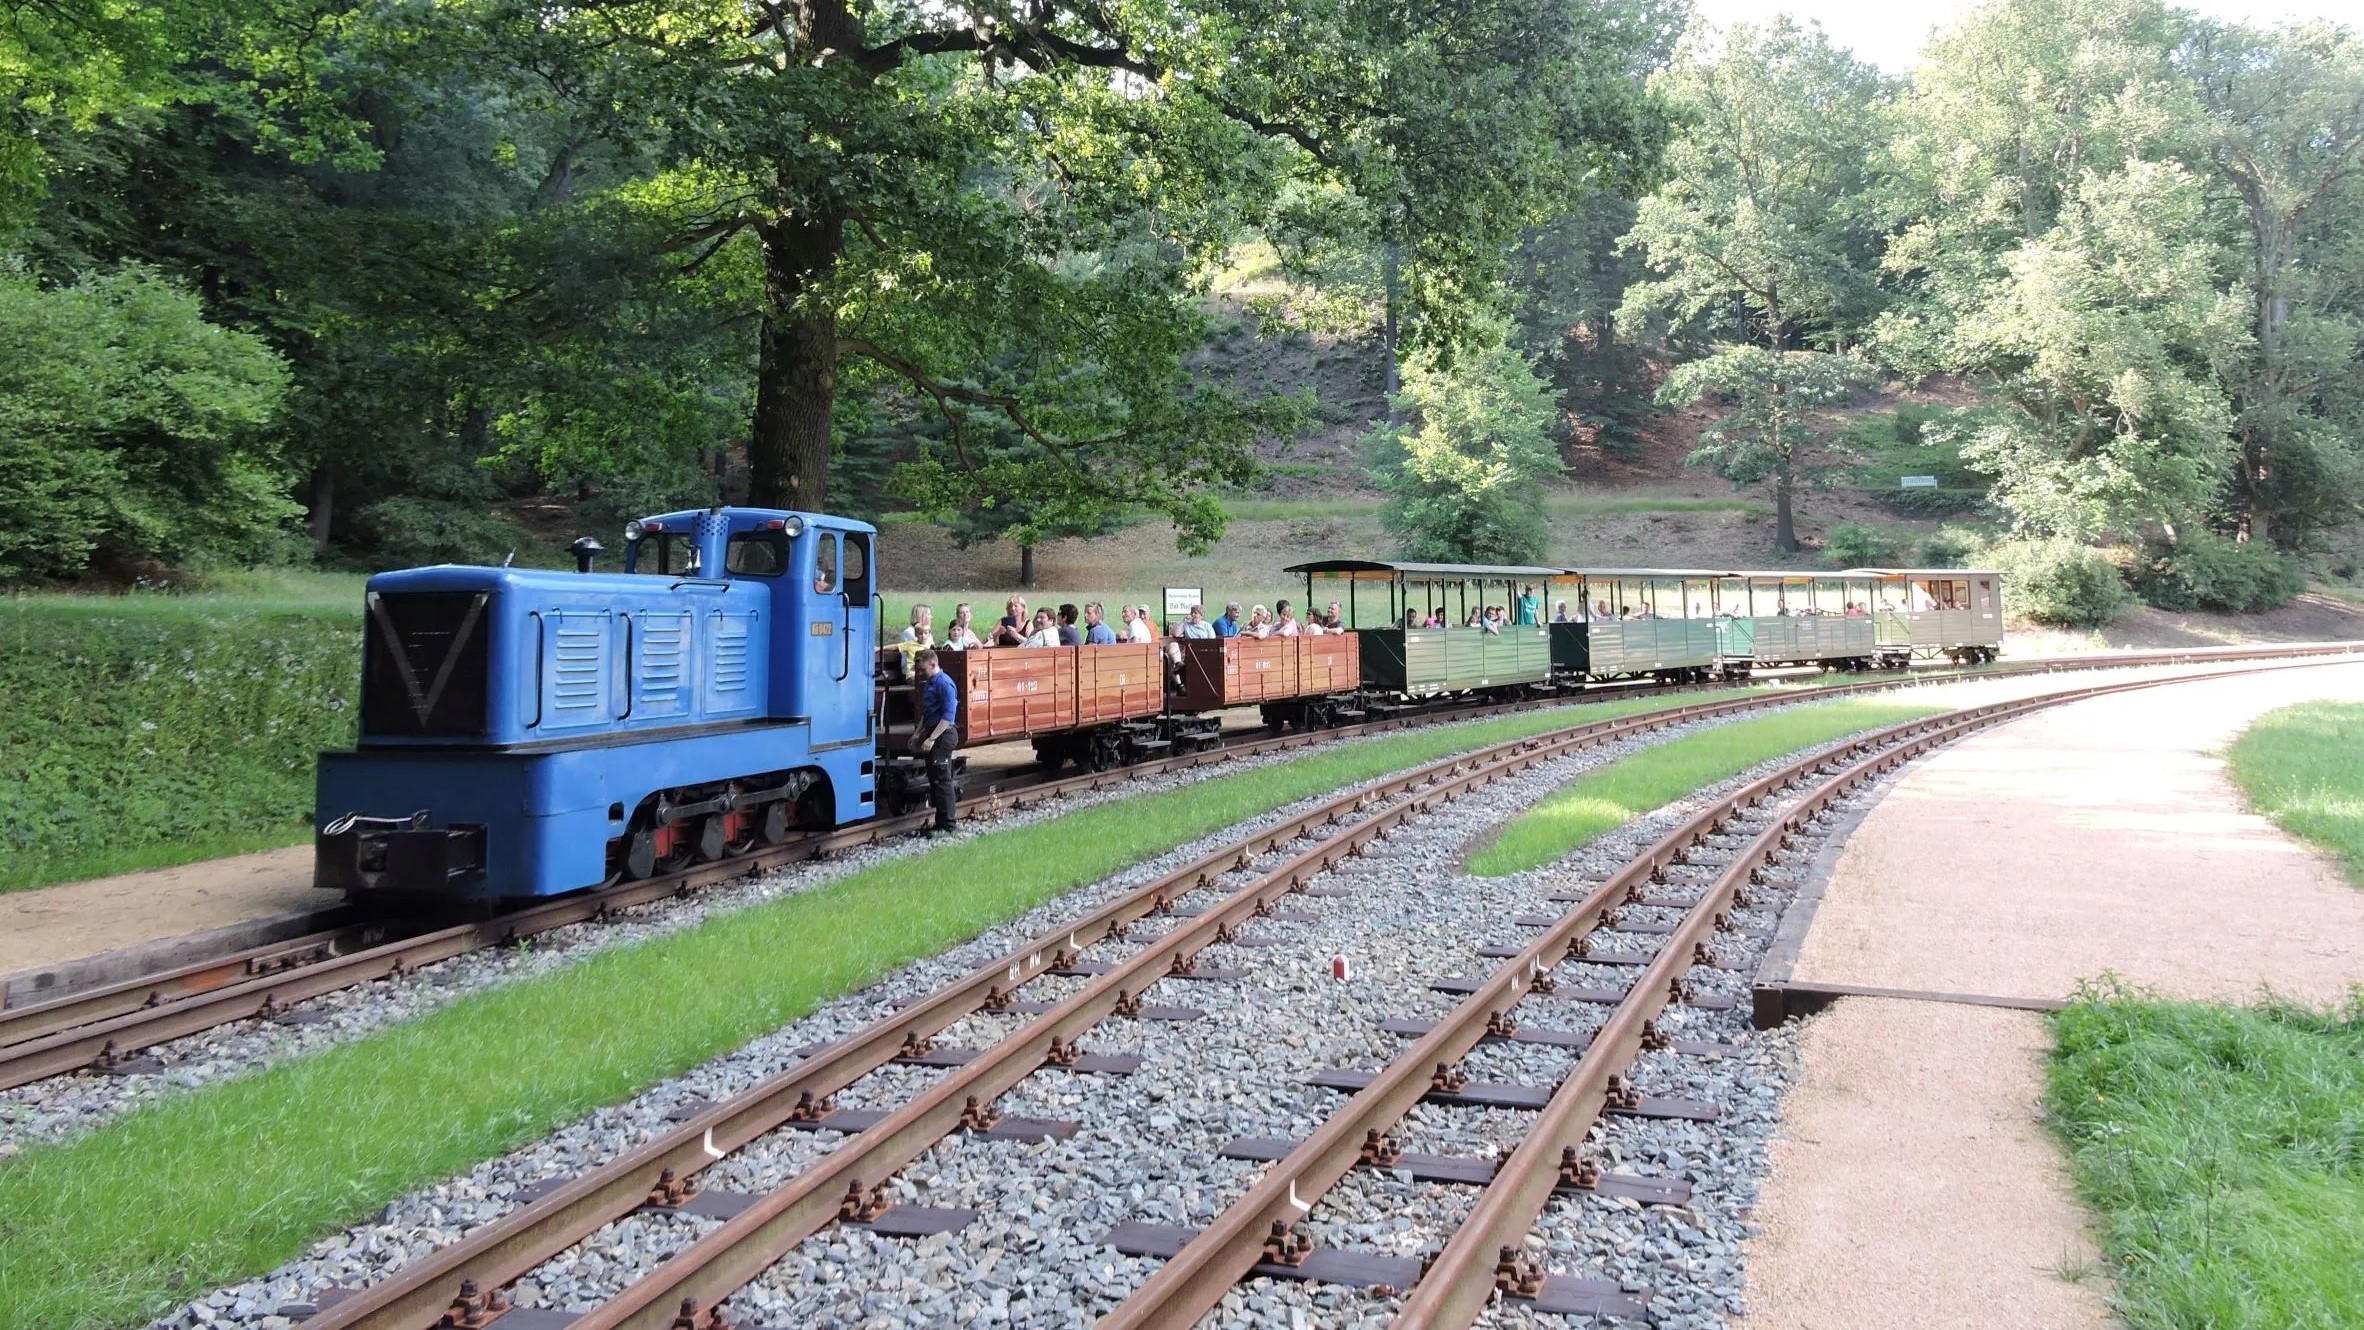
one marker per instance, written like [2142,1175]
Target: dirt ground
[1892,1204]
[2099,837]
[1912,1183]
[52,924]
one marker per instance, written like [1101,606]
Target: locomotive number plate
[823,628]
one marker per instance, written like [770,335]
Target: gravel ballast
[1147,1145]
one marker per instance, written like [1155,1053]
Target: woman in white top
[1138,626]
[1046,630]
[922,629]
[962,635]
[1259,623]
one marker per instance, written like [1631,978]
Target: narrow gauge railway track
[1486,1256]
[106,1027]
[462,1284]
[103,1028]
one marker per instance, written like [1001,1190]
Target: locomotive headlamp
[633,530]
[794,526]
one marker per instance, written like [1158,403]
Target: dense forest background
[322,281]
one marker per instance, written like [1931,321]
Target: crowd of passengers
[1071,626]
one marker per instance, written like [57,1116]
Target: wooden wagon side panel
[1331,663]
[1012,692]
[1121,681]
[1261,669]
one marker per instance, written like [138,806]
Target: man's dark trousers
[940,792]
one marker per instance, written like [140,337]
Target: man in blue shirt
[1098,633]
[939,734]
[1228,625]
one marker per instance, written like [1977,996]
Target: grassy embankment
[2303,766]
[2223,1147]
[146,730]
[2223,1150]
[1608,798]
[223,1182]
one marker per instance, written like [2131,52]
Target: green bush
[2060,581]
[1854,545]
[130,426]
[1949,547]
[142,731]
[2205,571]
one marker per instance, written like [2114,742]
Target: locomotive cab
[527,732]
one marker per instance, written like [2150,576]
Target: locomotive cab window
[824,562]
[757,554]
[856,566]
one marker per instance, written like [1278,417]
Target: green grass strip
[2303,766]
[2223,1148]
[1614,795]
[230,1180]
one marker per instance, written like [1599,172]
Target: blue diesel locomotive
[527,733]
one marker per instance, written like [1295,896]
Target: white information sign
[1916,482]
[1179,599]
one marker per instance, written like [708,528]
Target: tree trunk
[796,373]
[1026,566]
[1387,330]
[322,507]
[1785,527]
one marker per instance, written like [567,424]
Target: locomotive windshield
[757,554]
[665,554]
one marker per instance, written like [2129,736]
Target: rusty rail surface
[1485,1256]
[419,1294]
[92,1028]
[749,1242]
[99,1027]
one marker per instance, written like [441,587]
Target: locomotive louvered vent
[578,650]
[425,659]
[730,653]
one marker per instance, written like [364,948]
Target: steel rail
[79,1030]
[499,1253]
[70,1033]
[20,1025]
[1194,1280]
[737,1252]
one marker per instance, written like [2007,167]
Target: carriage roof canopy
[1381,569]
[1923,572]
[1669,573]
